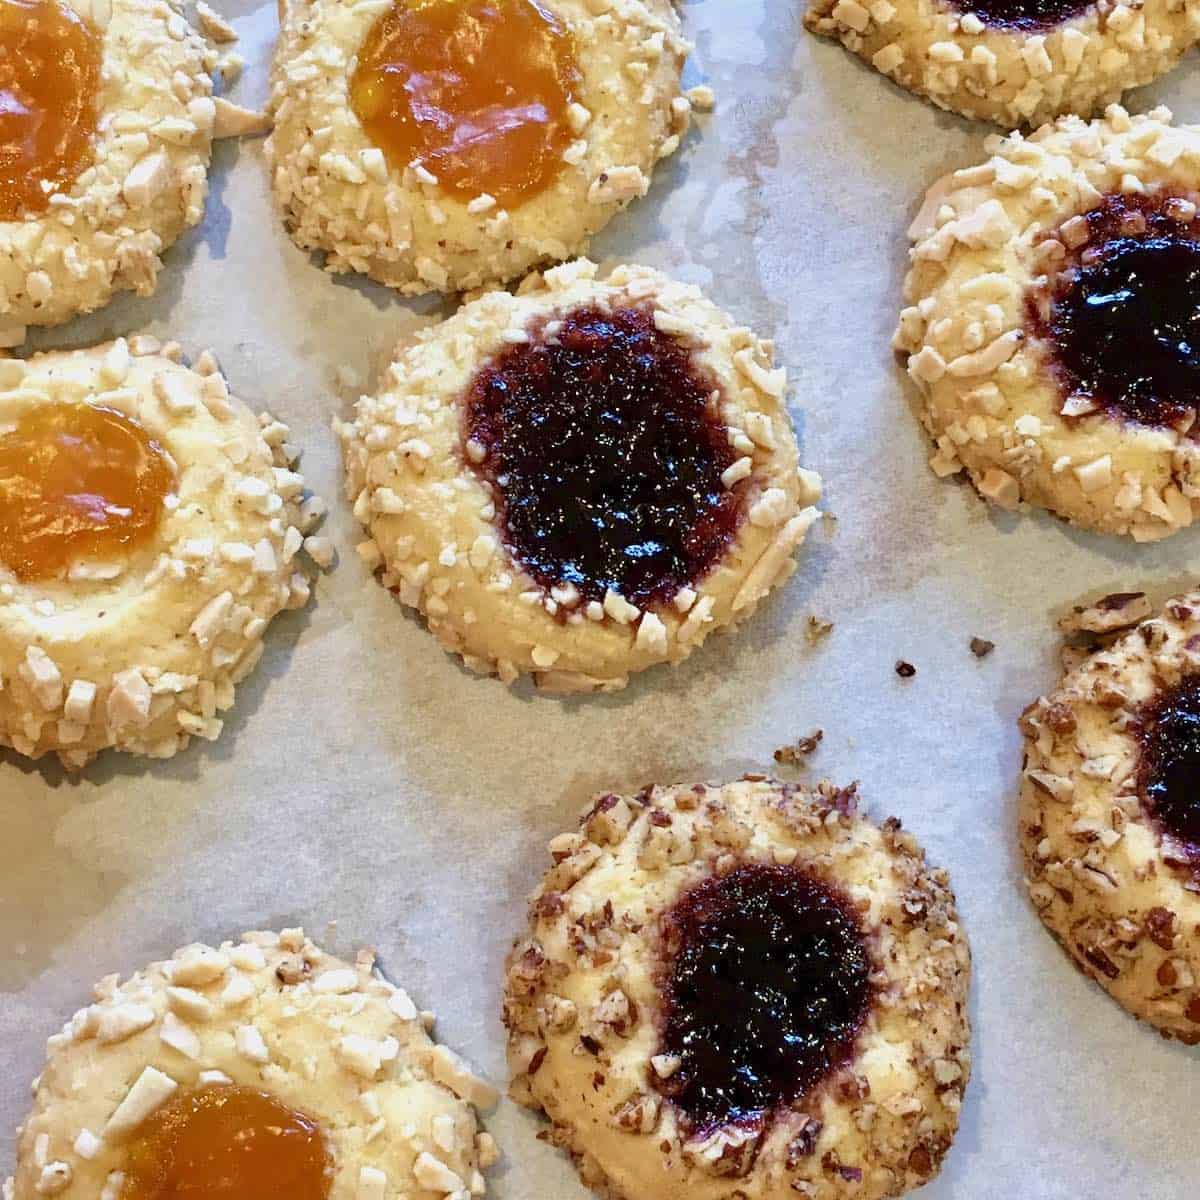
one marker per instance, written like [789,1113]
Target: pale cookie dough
[143,654]
[996,248]
[1013,68]
[146,184]
[438,532]
[1108,877]
[275,1013]
[586,1006]
[339,196]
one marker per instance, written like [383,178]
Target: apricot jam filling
[226,1142]
[77,481]
[49,102]
[474,91]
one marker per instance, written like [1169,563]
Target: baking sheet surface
[365,779]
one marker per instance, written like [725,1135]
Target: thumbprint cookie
[149,530]
[747,990]
[264,1069]
[581,480]
[106,126]
[1110,809]
[1051,302]
[440,145]
[1014,62]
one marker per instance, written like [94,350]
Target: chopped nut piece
[433,1174]
[817,628]
[55,1177]
[1121,610]
[448,1068]
[214,25]
[149,1092]
[801,749]
[233,121]
[197,966]
[1000,488]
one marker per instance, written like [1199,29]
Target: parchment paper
[365,779]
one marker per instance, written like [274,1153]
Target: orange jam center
[49,101]
[227,1143]
[77,481]
[475,91]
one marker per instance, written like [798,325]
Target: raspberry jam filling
[1123,319]
[77,482]
[49,102]
[1022,14]
[227,1143]
[767,990]
[600,439]
[474,91]
[1170,766]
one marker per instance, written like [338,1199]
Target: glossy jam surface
[475,91]
[1022,14]
[767,989]
[1170,765]
[227,1143]
[1124,322]
[49,102]
[605,457]
[77,482]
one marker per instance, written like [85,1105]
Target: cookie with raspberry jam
[149,530]
[264,1069]
[443,145]
[1053,323]
[581,480]
[1110,813]
[747,990]
[1014,62]
[106,127]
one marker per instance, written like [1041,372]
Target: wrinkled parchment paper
[365,779]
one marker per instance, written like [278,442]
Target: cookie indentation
[1170,763]
[606,456]
[474,91]
[227,1142]
[49,102]
[1124,318]
[768,988]
[1022,14]
[77,482]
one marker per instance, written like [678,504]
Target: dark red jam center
[1022,14]
[767,990]
[1170,765]
[1124,321]
[606,457]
